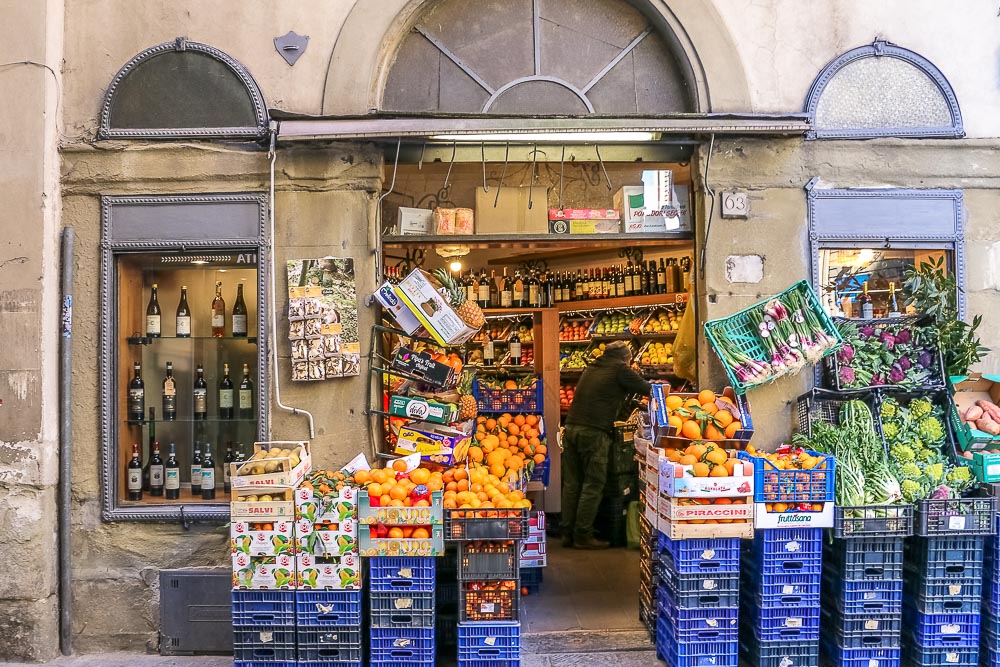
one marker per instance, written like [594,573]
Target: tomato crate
[481,561]
[328,607]
[275,643]
[865,630]
[401,573]
[872,521]
[524,399]
[401,610]
[943,630]
[700,556]
[968,516]
[929,656]
[862,657]
[494,601]
[800,624]
[492,524]
[328,643]
[774,485]
[864,597]
[401,645]
[872,559]
[780,653]
[263,608]
[486,643]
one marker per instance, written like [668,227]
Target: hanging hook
[562,167]
[447,176]
[420,162]
[531,181]
[482,151]
[599,159]
[503,173]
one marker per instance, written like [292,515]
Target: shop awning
[568,129]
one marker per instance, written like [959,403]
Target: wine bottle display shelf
[149,340]
[212,420]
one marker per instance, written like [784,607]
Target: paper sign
[323,318]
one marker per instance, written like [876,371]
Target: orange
[687,460]
[723,418]
[539,459]
[674,455]
[476,454]
[399,465]
[675,421]
[520,420]
[451,486]
[420,533]
[710,408]
[514,429]
[713,433]
[732,429]
[422,503]
[717,456]
[498,469]
[361,477]
[731,465]
[673,402]
[719,471]
[397,492]
[420,476]
[701,470]
[780,507]
[491,424]
[378,476]
[723,501]
[691,430]
[463,485]
[531,420]
[407,532]
[692,403]
[541,449]
[696,450]
[461,474]
[706,396]
[511,440]
[374,490]
[396,533]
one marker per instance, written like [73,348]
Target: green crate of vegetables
[975,412]
[773,338]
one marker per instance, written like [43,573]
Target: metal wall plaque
[291,46]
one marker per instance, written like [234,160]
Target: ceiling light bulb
[455,266]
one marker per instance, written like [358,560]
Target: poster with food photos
[323,319]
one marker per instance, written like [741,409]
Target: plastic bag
[686,344]
[632,525]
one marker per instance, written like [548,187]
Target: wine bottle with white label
[200,396]
[133,472]
[153,315]
[515,350]
[239,314]
[156,471]
[137,396]
[225,395]
[218,312]
[208,475]
[183,321]
[169,394]
[196,470]
[246,394]
[172,475]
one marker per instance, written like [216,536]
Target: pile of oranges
[707,417]
[478,488]
[506,444]
[707,459]
[392,486]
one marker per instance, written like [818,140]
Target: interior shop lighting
[455,266]
[625,136]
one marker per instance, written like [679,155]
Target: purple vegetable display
[887,353]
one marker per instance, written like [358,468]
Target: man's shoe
[567,542]
[590,543]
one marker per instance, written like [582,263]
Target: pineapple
[467,402]
[456,294]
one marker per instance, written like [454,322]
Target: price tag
[332,329]
[266,637]
[873,662]
[871,624]
[950,629]
[405,573]
[792,546]
[404,603]
[955,589]
[951,658]
[712,622]
[788,589]
[708,554]
[296,292]
[401,642]
[488,608]
[869,595]
[709,585]
[956,523]
[490,641]
[793,622]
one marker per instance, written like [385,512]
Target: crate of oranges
[794,487]
[488,601]
[705,415]
[702,469]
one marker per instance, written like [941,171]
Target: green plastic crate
[742,332]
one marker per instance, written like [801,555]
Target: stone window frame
[255,133]
[218,238]
[879,49]
[861,231]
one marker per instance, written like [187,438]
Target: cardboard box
[792,519]
[315,573]
[248,506]
[415,221]
[420,365]
[650,502]
[682,204]
[694,531]
[373,545]
[405,320]
[435,442]
[584,221]
[246,537]
[419,292]
[678,481]
[511,214]
[676,509]
[327,539]
[985,466]
[422,409]
[532,554]
[263,572]
[331,508]
[401,516]
[965,392]
[245,476]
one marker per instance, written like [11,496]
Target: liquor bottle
[488,351]
[172,475]
[200,395]
[239,314]
[137,396]
[617,282]
[494,290]
[156,471]
[196,470]
[672,274]
[654,284]
[519,297]
[534,291]
[483,287]
[183,321]
[229,458]
[506,291]
[225,394]
[471,287]
[246,394]
[218,312]
[565,288]
[685,268]
[606,284]
[133,473]
[515,349]
[590,285]
[867,306]
[661,278]
[577,286]
[208,474]
[151,445]
[893,303]
[169,394]
[153,315]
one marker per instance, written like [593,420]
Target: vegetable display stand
[824,405]
[872,521]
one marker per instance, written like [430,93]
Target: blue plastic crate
[703,624]
[514,662]
[945,596]
[689,583]
[696,653]
[531,578]
[989,624]
[947,557]
[864,657]
[263,608]
[700,556]
[955,656]
[489,641]
[943,630]
[328,607]
[781,653]
[330,643]
[266,663]
[703,599]
[327,663]
[397,644]
[401,610]
[865,630]
[509,400]
[991,598]
[777,585]
[274,643]
[795,541]
[774,485]
[784,624]
[867,560]
[400,573]
[873,597]
[408,658]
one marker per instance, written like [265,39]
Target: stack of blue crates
[489,630]
[697,601]
[401,611]
[328,628]
[989,645]
[782,574]
[264,628]
[943,600]
[648,577]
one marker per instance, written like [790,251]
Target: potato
[266,499]
[987,425]
[973,413]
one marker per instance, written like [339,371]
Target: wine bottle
[169,394]
[506,291]
[661,278]
[685,267]
[137,396]
[208,474]
[155,471]
[488,350]
[151,444]
[239,315]
[893,303]
[200,395]
[229,458]
[494,290]
[534,291]
[654,280]
[218,312]
[483,287]
[605,285]
[196,470]
[517,290]
[133,473]
[471,287]
[867,306]
[172,475]
[629,281]
[225,394]
[644,279]
[183,320]
[153,315]
[515,349]
[246,394]
[672,275]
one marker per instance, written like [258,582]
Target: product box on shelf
[415,221]
[678,481]
[262,504]
[419,291]
[584,221]
[405,320]
[375,540]
[421,365]
[640,216]
[966,390]
[326,508]
[986,466]
[262,538]
[318,573]
[432,515]
[507,212]
[273,465]
[263,572]
[793,518]
[436,442]
[327,539]
[422,409]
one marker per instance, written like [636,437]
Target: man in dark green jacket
[586,441]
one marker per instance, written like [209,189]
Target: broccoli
[935,472]
[890,409]
[926,455]
[920,407]
[891,430]
[916,444]
[910,470]
[959,474]
[903,453]
[911,490]
[931,429]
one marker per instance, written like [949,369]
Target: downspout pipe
[65,447]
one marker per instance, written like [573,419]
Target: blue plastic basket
[772,485]
[395,644]
[540,473]
[721,582]
[943,630]
[947,557]
[780,653]
[695,653]
[763,566]
[514,662]
[401,610]
[701,599]
[874,559]
[401,573]
[868,597]
[991,597]
[929,656]
[263,608]
[784,624]
[509,400]
[866,630]
[330,643]
[328,663]
[776,586]
[328,607]
[793,541]
[782,601]
[864,657]
[268,663]
[489,641]
[700,556]
[406,657]
[275,643]
[945,596]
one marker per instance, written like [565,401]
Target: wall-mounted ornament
[291,46]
